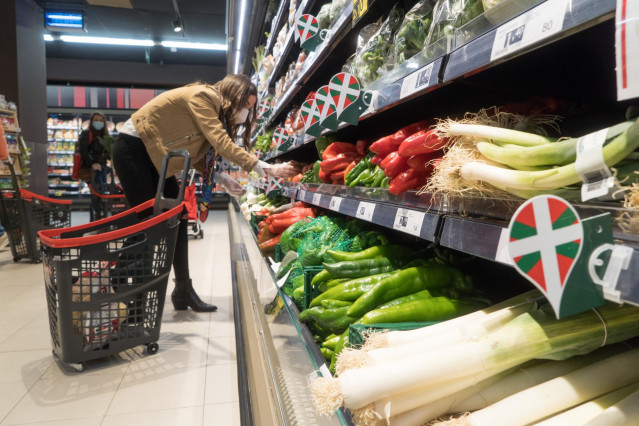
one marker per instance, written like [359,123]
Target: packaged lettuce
[447,16]
[411,34]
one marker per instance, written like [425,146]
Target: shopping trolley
[109,196]
[24,213]
[106,280]
[190,200]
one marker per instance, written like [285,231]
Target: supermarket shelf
[71,185]
[476,55]
[280,17]
[313,62]
[63,128]
[60,152]
[59,165]
[59,174]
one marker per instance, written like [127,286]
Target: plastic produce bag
[374,52]
[447,16]
[411,35]
[324,16]
[336,9]
[229,184]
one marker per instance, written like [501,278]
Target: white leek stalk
[589,410]
[623,413]
[498,134]
[561,393]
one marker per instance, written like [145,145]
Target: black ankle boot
[184,296]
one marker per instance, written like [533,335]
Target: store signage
[258,153]
[553,248]
[287,144]
[350,102]
[359,9]
[417,81]
[307,29]
[64,21]
[264,111]
[626,46]
[274,186]
[279,136]
[326,108]
[311,116]
[528,28]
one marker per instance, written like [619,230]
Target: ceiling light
[107,40]
[48,37]
[177,26]
[189,45]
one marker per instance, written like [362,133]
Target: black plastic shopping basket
[106,280]
[24,213]
[109,197]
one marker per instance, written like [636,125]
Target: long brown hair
[237,88]
[104,131]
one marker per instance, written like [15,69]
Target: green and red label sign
[311,117]
[326,108]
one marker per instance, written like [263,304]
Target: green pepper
[379,177]
[355,172]
[330,341]
[361,178]
[385,182]
[333,303]
[424,294]
[298,282]
[341,343]
[359,268]
[336,320]
[420,309]
[321,277]
[326,285]
[405,282]
[298,295]
[350,290]
[390,251]
[328,354]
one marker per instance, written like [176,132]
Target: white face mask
[240,117]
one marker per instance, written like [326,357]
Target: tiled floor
[192,380]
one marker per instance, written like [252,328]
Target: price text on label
[317,198]
[301,195]
[409,221]
[592,168]
[359,9]
[365,211]
[529,28]
[335,204]
[419,80]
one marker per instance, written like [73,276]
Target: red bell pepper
[393,164]
[338,177]
[410,179]
[423,162]
[269,245]
[384,146]
[324,177]
[399,136]
[361,146]
[421,142]
[337,148]
[377,159]
[339,162]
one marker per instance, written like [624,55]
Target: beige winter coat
[188,118]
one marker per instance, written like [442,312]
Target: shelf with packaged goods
[59,165]
[280,17]
[280,347]
[60,152]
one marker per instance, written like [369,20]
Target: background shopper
[94,156]
[198,117]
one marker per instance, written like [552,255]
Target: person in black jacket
[94,156]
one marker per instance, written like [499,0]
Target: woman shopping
[94,157]
[197,118]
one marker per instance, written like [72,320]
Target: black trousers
[139,179]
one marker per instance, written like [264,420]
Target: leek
[558,153]
[498,134]
[528,336]
[556,395]
[624,412]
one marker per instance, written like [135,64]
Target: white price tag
[590,165]
[325,371]
[301,195]
[335,203]
[365,211]
[409,221]
[416,81]
[317,198]
[535,25]
[626,47]
[502,255]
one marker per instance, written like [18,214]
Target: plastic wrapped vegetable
[373,53]
[324,16]
[448,15]
[411,34]
[336,8]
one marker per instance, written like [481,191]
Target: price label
[626,46]
[325,371]
[301,195]
[419,80]
[359,9]
[592,168]
[535,25]
[293,193]
[365,211]
[335,203]
[317,198]
[409,221]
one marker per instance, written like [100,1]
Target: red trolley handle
[162,203]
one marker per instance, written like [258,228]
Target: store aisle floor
[192,380]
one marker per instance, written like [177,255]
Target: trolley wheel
[152,348]
[79,367]
[201,233]
[15,259]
